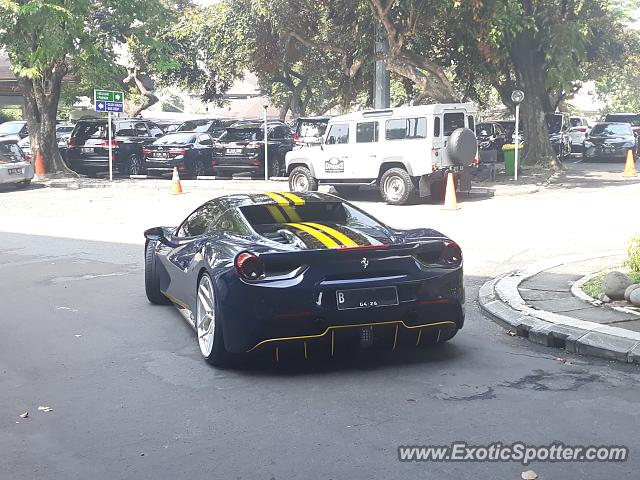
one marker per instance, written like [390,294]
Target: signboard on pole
[109,101]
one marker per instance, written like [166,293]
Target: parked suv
[88,146]
[491,138]
[189,152]
[241,149]
[401,150]
[577,132]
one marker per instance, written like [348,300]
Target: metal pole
[517,140]
[110,147]
[266,135]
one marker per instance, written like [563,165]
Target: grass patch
[594,288]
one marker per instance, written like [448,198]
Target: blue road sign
[102,106]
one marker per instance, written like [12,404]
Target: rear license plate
[161,155]
[88,150]
[15,171]
[234,150]
[366,298]
[456,168]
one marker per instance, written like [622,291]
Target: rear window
[311,128]
[576,122]
[10,153]
[11,128]
[631,119]
[198,125]
[554,122]
[176,139]
[607,129]
[241,134]
[406,128]
[96,130]
[453,121]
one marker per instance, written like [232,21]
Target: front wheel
[276,168]
[301,180]
[209,325]
[396,186]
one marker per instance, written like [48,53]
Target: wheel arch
[394,164]
[300,163]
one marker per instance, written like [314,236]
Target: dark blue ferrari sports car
[305,272]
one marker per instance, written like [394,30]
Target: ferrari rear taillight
[451,253]
[249,266]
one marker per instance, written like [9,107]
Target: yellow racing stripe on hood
[326,240]
[341,237]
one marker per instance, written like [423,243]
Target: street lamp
[517,97]
[265,106]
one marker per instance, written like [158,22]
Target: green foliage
[10,113]
[633,255]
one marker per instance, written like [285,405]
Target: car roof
[10,139]
[275,198]
[319,118]
[407,111]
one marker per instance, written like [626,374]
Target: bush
[633,255]
[7,114]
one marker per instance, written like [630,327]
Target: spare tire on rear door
[462,147]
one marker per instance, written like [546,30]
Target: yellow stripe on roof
[346,241]
[321,237]
[276,214]
[294,198]
[292,214]
[279,199]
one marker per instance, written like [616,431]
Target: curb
[500,298]
[576,291]
[519,190]
[208,182]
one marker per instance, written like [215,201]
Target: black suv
[88,146]
[241,149]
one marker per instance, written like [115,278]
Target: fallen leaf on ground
[529,475]
[24,415]
[45,409]
[511,332]
[561,360]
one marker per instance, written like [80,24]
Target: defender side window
[436,127]
[471,123]
[399,129]
[453,121]
[339,134]
[367,132]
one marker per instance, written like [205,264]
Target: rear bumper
[15,173]
[258,316]
[619,154]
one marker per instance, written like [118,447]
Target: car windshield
[10,153]
[11,128]
[611,129]
[575,122]
[554,122]
[241,134]
[483,129]
[196,126]
[633,120]
[176,139]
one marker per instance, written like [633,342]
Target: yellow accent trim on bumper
[341,237]
[335,327]
[279,199]
[175,300]
[321,237]
[294,198]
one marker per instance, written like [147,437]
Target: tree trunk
[42,96]
[530,67]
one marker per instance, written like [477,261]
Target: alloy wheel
[394,188]
[205,315]
[300,183]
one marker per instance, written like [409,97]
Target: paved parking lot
[131,397]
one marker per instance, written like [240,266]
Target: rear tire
[209,324]
[396,186]
[151,280]
[301,180]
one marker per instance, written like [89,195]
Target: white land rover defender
[402,150]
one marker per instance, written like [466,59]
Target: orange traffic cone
[39,165]
[450,202]
[630,166]
[176,186]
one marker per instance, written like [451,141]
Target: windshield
[484,129]
[10,153]
[196,126]
[611,129]
[554,122]
[241,135]
[11,128]
[176,139]
[631,119]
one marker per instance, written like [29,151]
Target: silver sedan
[14,167]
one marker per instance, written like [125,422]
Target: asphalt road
[132,398]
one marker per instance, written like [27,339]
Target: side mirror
[156,234]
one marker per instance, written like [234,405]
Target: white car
[403,151]
[14,167]
[577,132]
